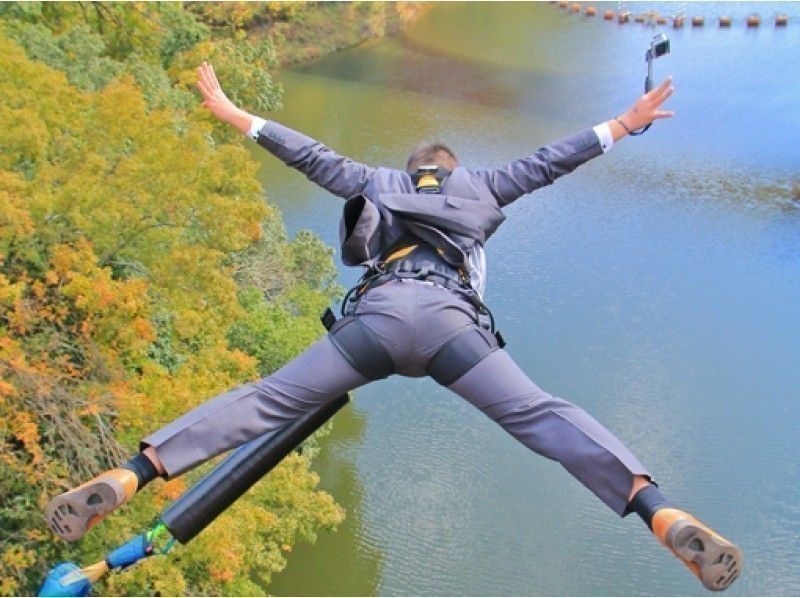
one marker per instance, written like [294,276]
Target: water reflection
[342,562]
[406,64]
[657,287]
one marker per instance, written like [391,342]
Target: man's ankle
[647,502]
[143,468]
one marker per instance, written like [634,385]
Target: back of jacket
[382,205]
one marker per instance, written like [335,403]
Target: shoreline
[336,26]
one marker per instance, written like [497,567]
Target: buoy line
[677,21]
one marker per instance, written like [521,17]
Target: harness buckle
[328,318]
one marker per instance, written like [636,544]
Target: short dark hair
[431,153]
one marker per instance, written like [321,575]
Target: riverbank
[333,26]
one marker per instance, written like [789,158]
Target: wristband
[624,126]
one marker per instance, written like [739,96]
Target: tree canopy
[141,272]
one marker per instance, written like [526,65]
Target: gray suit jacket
[382,204]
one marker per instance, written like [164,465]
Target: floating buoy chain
[652,17]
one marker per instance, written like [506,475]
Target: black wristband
[624,126]
[635,132]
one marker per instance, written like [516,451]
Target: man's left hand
[647,107]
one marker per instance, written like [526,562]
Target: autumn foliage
[141,272]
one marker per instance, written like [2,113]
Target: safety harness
[363,348]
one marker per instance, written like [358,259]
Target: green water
[657,286]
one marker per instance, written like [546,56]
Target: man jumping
[417,311]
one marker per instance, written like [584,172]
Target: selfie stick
[658,47]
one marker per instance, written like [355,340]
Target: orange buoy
[591,11]
[563,4]
[661,20]
[623,17]
[677,22]
[781,20]
[753,21]
[725,21]
[576,8]
[639,18]
[698,21]
[608,15]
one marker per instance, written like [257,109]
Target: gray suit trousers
[413,320]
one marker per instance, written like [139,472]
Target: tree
[120,239]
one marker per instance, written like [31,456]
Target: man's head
[426,154]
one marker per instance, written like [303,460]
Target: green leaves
[141,273]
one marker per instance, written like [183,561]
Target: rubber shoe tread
[71,514]
[715,561]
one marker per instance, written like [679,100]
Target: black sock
[646,502]
[143,468]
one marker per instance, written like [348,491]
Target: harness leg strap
[460,354]
[362,348]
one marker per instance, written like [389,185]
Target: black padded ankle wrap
[646,502]
[143,468]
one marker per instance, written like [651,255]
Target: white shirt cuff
[603,132]
[255,127]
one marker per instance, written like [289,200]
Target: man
[417,311]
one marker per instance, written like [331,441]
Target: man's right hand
[218,103]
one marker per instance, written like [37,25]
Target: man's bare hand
[647,107]
[217,102]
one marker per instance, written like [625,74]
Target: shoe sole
[718,561]
[70,515]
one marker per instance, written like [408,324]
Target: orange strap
[402,252]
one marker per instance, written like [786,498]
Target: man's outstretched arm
[543,167]
[335,173]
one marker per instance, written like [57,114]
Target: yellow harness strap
[402,252]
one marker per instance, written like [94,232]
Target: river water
[657,286]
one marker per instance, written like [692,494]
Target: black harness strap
[460,354]
[365,351]
[361,347]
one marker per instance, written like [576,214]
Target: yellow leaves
[120,390]
[33,85]
[86,328]
[38,289]
[269,519]
[13,359]
[113,312]
[19,317]
[173,488]
[221,572]
[37,535]
[144,330]
[17,558]
[242,362]
[27,432]
[116,298]
[7,389]
[23,137]
[15,220]
[194,283]
[14,560]
[10,293]
[66,258]
[9,586]
[120,108]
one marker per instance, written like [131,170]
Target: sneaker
[72,514]
[715,561]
